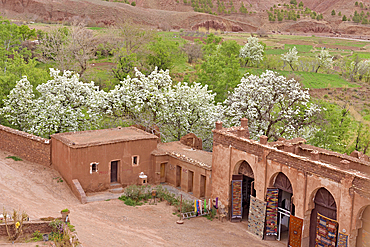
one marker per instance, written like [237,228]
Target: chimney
[244,126]
[263,140]
[218,125]
[244,123]
[315,156]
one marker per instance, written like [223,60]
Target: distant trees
[333,12]
[252,52]
[323,59]
[291,57]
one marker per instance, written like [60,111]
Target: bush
[133,3]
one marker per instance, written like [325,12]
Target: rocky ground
[39,191]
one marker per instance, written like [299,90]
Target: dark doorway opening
[202,186]
[247,187]
[190,181]
[113,171]
[285,205]
[324,205]
[178,176]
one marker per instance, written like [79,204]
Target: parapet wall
[26,146]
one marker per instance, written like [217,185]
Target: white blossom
[323,59]
[276,107]
[252,51]
[291,57]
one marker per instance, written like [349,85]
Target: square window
[93,167]
[135,160]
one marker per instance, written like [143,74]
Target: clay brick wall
[28,227]
[26,146]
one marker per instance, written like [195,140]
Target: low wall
[26,146]
[28,227]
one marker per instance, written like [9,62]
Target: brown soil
[172,14]
[33,188]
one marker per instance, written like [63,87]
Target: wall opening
[190,181]
[178,176]
[203,186]
[324,205]
[163,173]
[114,171]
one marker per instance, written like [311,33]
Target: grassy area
[310,79]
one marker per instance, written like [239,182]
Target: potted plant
[65,213]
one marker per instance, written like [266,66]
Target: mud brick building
[323,193]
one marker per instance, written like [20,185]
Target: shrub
[133,3]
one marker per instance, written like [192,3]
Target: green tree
[334,132]
[300,4]
[163,54]
[344,18]
[293,2]
[340,13]
[220,70]
[333,12]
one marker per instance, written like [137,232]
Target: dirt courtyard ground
[39,191]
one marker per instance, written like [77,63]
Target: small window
[93,167]
[135,160]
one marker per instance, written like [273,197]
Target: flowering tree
[141,98]
[323,59]
[153,100]
[191,109]
[252,51]
[291,57]
[276,107]
[65,104]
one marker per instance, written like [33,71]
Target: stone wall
[28,227]
[26,146]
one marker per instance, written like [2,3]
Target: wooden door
[190,181]
[202,186]
[163,173]
[113,171]
[178,176]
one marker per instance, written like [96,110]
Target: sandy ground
[35,189]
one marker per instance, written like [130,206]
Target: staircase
[116,188]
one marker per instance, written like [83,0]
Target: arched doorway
[324,205]
[247,187]
[242,187]
[285,205]
[363,236]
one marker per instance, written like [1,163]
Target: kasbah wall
[308,169]
[303,165]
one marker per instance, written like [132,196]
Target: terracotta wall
[189,172]
[28,228]
[26,146]
[351,193]
[74,163]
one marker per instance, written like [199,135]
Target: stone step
[115,185]
[116,190]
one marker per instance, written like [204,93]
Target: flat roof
[180,151]
[102,136]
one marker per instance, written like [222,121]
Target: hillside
[176,14]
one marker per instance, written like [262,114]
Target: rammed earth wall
[26,146]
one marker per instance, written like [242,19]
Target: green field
[310,79]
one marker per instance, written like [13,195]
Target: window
[93,167]
[135,160]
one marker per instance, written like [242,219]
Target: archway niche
[363,236]
[285,203]
[324,204]
[244,172]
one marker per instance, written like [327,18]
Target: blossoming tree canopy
[276,107]
[65,104]
[252,51]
